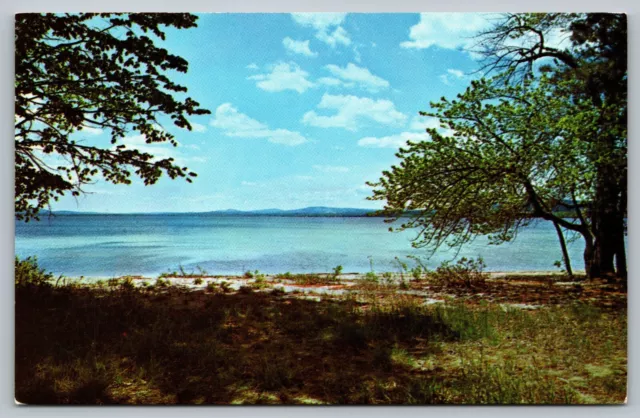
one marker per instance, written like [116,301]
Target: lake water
[114,245]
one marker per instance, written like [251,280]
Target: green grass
[122,344]
[311,279]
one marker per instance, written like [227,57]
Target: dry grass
[82,345]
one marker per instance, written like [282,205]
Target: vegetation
[595,65]
[77,73]
[130,346]
[516,151]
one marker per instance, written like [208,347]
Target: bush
[337,271]
[198,281]
[466,272]
[27,273]
[211,287]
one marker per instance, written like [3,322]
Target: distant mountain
[314,211]
[310,211]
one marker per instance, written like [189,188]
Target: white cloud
[236,124]
[283,76]
[298,47]
[351,110]
[392,141]
[338,36]
[319,21]
[455,73]
[330,81]
[252,66]
[446,30]
[422,123]
[327,26]
[361,76]
[331,168]
[159,150]
[90,130]
[198,128]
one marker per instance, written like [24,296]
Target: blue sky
[305,108]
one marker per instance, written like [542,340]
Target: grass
[312,279]
[126,345]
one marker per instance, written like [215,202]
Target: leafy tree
[77,72]
[596,63]
[511,154]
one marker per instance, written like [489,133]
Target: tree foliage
[509,154]
[596,63]
[549,129]
[78,72]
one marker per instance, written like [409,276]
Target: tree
[77,72]
[596,62]
[511,154]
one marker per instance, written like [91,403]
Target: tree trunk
[588,255]
[563,246]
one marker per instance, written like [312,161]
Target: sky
[305,108]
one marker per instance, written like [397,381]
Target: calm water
[110,245]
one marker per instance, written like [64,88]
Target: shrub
[245,290]
[198,281]
[127,283]
[260,282]
[371,277]
[248,274]
[27,273]
[211,287]
[225,286]
[465,272]
[162,283]
[337,270]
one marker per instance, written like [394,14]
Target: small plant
[278,291]
[260,282]
[27,273]
[420,270]
[466,272]
[113,282]
[248,274]
[337,271]
[402,267]
[225,286]
[245,290]
[211,287]
[371,277]
[387,278]
[99,283]
[127,283]
[161,283]
[198,281]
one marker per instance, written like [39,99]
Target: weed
[337,271]
[260,282]
[371,277]
[465,272]
[211,287]
[198,281]
[225,286]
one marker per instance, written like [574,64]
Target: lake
[115,245]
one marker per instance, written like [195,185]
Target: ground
[325,339]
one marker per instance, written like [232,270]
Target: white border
[9,8]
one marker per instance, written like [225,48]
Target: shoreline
[342,276]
